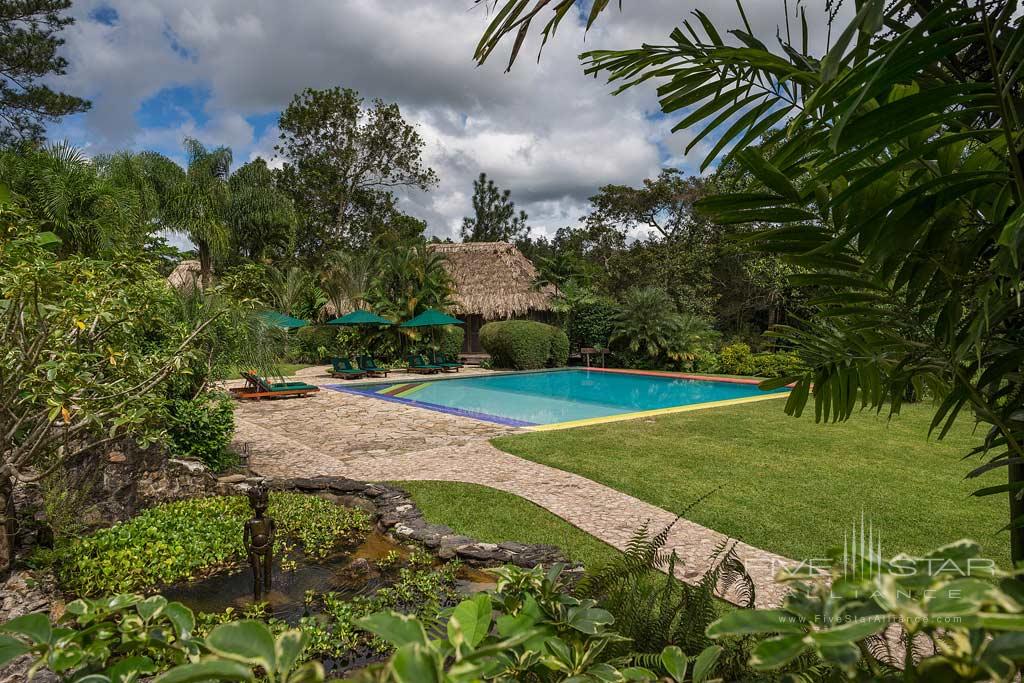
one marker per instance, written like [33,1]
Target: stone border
[396,513]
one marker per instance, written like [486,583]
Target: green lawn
[786,484]
[495,516]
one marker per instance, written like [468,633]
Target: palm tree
[288,288]
[262,218]
[346,281]
[647,321]
[89,209]
[198,203]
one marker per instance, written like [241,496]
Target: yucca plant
[895,177]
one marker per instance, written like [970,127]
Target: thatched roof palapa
[493,280]
[186,276]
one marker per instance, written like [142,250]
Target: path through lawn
[789,485]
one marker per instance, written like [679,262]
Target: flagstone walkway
[342,434]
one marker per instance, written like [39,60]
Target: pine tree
[28,53]
[496,219]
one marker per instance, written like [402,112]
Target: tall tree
[262,217]
[897,181]
[342,163]
[494,215]
[664,205]
[28,54]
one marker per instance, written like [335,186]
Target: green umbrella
[275,319]
[431,318]
[360,317]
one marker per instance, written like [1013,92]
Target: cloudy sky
[222,70]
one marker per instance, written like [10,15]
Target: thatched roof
[185,276]
[493,279]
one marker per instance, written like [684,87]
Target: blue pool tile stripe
[472,414]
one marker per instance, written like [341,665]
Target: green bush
[590,323]
[202,428]
[452,337]
[315,344]
[559,348]
[177,541]
[736,359]
[779,364]
[524,344]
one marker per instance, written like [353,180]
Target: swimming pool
[554,397]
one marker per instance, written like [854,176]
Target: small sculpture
[258,538]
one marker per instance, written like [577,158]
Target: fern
[654,609]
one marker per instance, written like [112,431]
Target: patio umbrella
[432,318]
[360,317]
[286,322]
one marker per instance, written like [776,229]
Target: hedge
[452,337]
[524,344]
[737,359]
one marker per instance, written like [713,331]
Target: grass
[789,485]
[494,516]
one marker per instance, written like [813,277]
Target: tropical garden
[859,239]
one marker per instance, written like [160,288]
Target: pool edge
[651,413]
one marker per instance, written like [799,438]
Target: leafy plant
[112,640]
[950,615]
[648,323]
[202,428]
[540,633]
[181,540]
[524,344]
[655,610]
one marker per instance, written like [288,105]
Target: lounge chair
[368,364]
[257,388]
[446,365]
[342,367]
[419,364]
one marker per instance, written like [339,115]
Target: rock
[117,456]
[483,553]
[360,566]
[232,479]
[363,504]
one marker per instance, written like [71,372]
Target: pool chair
[446,365]
[257,388]
[419,364]
[369,365]
[343,368]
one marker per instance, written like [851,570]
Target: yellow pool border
[652,413]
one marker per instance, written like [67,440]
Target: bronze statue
[258,538]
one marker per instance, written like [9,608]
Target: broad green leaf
[289,646]
[11,648]
[675,662]
[776,652]
[705,663]
[209,670]
[129,669]
[397,629]
[412,663]
[473,618]
[764,171]
[34,626]
[741,622]
[244,641]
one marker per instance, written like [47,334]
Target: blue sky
[222,70]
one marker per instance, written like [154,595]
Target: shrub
[314,344]
[452,337]
[559,348]
[779,364]
[736,359]
[177,541]
[590,322]
[524,344]
[202,428]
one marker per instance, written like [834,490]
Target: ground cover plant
[190,538]
[772,474]
[508,518]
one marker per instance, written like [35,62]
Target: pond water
[347,574]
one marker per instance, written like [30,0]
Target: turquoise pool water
[539,398]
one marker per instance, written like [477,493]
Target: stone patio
[343,434]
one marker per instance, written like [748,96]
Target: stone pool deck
[343,434]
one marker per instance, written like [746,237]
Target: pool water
[540,398]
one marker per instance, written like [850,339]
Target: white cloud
[546,131]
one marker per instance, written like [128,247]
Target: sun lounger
[419,364]
[368,364]
[257,388]
[343,368]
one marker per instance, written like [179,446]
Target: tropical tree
[494,215]
[895,176]
[199,201]
[409,281]
[342,163]
[648,323]
[89,208]
[346,281]
[289,288]
[261,217]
